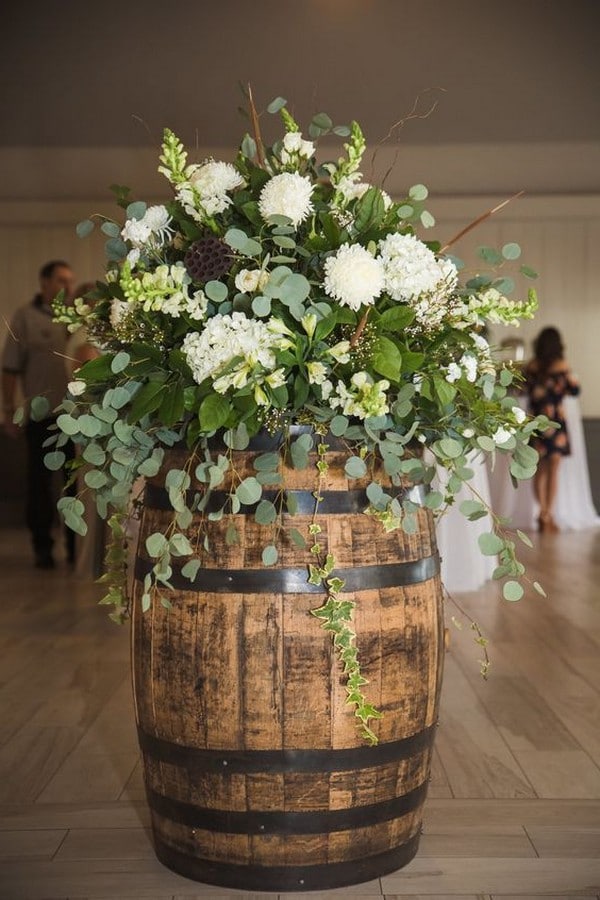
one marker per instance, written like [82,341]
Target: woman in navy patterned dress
[548,381]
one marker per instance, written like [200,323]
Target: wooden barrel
[256,775]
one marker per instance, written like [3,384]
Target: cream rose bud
[519,414]
[249,280]
[76,388]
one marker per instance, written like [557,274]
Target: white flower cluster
[351,187]
[166,290]
[295,147]
[353,276]
[466,365]
[233,349]
[152,230]
[363,399]
[206,191]
[413,275]
[287,194]
[249,280]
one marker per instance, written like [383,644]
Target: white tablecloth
[574,505]
[464,568]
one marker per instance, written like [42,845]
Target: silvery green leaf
[156,544]
[338,425]
[89,426]
[84,228]
[355,467]
[55,460]
[512,591]
[95,479]
[190,569]
[184,518]
[94,455]
[511,251]
[39,408]
[266,513]
[276,104]
[261,306]
[68,424]
[270,555]
[120,362]
[266,462]
[215,291]
[136,210]
[249,491]
[418,192]
[490,544]
[179,545]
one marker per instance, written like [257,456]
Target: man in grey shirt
[34,356]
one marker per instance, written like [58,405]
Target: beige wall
[49,191]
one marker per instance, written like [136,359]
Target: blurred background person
[548,380]
[33,361]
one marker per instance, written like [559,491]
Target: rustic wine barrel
[256,775]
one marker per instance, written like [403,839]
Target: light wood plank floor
[514,806]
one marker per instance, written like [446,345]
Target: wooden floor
[514,805]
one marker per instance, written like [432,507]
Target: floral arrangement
[279,291]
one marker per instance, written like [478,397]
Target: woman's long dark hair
[548,347]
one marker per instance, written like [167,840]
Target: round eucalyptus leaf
[83,229]
[511,251]
[355,467]
[266,513]
[270,555]
[512,591]
[261,306]
[276,104]
[68,424]
[216,291]
[55,460]
[137,209]
[418,192]
[120,362]
[490,544]
[39,408]
[248,491]
[95,479]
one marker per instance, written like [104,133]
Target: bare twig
[260,149]
[479,220]
[359,328]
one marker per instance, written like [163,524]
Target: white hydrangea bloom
[353,276]
[224,338]
[287,194]
[413,275]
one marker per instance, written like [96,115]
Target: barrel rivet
[230,578]
[225,763]
[301,881]
[261,827]
[193,831]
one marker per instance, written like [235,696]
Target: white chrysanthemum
[136,231]
[214,179]
[412,270]
[288,195]
[353,276]
[152,228]
[224,338]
